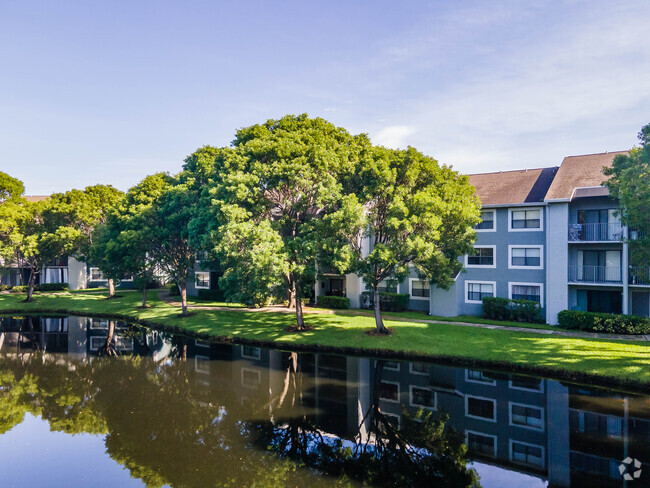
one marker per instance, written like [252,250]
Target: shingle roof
[580,171]
[513,187]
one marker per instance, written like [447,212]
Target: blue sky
[108,92]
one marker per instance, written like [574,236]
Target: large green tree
[10,187]
[272,194]
[418,215]
[629,182]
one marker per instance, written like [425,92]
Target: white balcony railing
[595,274]
[595,232]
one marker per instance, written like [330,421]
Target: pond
[93,402]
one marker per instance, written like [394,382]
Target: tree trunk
[300,320]
[144,297]
[183,290]
[30,289]
[291,292]
[111,288]
[379,322]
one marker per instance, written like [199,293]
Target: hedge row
[603,322]
[333,302]
[497,308]
[388,302]
[42,287]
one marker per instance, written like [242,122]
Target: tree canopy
[10,187]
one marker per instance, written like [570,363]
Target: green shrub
[52,286]
[174,291]
[333,302]
[5,287]
[497,308]
[20,289]
[211,295]
[388,302]
[603,322]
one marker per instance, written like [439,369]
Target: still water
[90,402]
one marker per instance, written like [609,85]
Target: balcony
[639,275]
[595,274]
[595,232]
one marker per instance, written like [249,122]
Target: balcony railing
[595,232]
[595,274]
[639,275]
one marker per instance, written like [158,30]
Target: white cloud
[394,136]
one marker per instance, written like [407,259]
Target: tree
[275,186]
[629,182]
[417,214]
[84,211]
[10,187]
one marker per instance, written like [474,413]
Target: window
[484,256]
[476,376]
[526,384]
[482,444]
[251,378]
[481,408]
[388,286]
[389,391]
[526,291]
[476,290]
[488,221]
[250,352]
[200,343]
[525,257]
[96,274]
[419,289]
[202,279]
[201,364]
[520,452]
[422,397]
[527,416]
[529,219]
[419,368]
[391,365]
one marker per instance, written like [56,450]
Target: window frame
[419,373]
[523,463]
[399,393]
[480,282]
[494,408]
[257,373]
[526,246]
[90,274]
[494,220]
[524,209]
[483,266]
[195,280]
[526,405]
[250,356]
[490,382]
[482,434]
[417,405]
[413,297]
[512,284]
[513,387]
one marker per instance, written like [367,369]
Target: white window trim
[483,266]
[521,283]
[200,343]
[435,397]
[526,246]
[90,271]
[540,390]
[416,372]
[93,340]
[494,220]
[248,356]
[494,408]
[201,287]
[411,280]
[529,427]
[197,360]
[399,396]
[257,373]
[478,382]
[512,460]
[482,434]
[467,283]
[541,219]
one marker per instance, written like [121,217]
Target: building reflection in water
[563,434]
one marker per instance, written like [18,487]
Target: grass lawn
[623,362]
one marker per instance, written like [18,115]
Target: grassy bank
[621,362]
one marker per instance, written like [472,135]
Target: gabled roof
[580,172]
[513,187]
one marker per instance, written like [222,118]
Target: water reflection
[183,412]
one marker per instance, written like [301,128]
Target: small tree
[10,187]
[417,214]
[629,182]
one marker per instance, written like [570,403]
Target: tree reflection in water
[423,452]
[166,431]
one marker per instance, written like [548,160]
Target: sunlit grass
[624,361]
